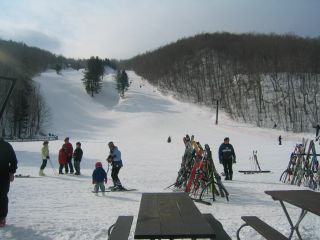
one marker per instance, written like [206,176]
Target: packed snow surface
[64,207]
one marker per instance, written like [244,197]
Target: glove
[109,159]
[93,182]
[48,157]
[105,180]
[220,161]
[234,160]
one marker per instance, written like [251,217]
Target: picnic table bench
[261,227]
[121,229]
[217,226]
[307,201]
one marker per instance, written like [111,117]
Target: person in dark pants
[77,156]
[116,162]
[227,157]
[8,166]
[44,156]
[280,140]
[69,150]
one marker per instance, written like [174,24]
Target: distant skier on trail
[115,159]
[280,140]
[44,156]
[227,157]
[99,178]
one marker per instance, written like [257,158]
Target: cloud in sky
[124,28]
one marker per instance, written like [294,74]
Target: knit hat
[98,164]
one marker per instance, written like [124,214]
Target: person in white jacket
[44,156]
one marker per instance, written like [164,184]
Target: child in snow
[44,157]
[99,177]
[62,158]
[77,156]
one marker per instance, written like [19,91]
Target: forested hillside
[26,113]
[270,80]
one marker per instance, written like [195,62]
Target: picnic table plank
[170,215]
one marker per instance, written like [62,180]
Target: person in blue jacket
[115,159]
[227,157]
[99,177]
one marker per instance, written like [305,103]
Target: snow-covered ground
[63,206]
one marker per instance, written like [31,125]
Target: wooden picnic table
[170,216]
[307,200]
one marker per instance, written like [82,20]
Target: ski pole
[107,172]
[53,169]
[169,186]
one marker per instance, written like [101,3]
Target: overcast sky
[124,28]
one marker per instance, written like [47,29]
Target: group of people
[65,156]
[99,175]
[9,165]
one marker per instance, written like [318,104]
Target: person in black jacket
[77,156]
[227,157]
[8,166]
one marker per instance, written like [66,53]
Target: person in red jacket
[62,159]
[69,150]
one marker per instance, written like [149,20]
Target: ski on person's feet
[117,190]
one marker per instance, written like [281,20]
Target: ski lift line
[13,82]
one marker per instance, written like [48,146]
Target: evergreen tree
[58,68]
[93,75]
[122,82]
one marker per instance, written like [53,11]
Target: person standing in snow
[77,156]
[280,140]
[115,159]
[62,159]
[227,157]
[69,150]
[99,177]
[8,166]
[44,156]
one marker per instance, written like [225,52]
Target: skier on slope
[227,157]
[115,159]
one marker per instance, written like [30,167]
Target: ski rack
[255,164]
